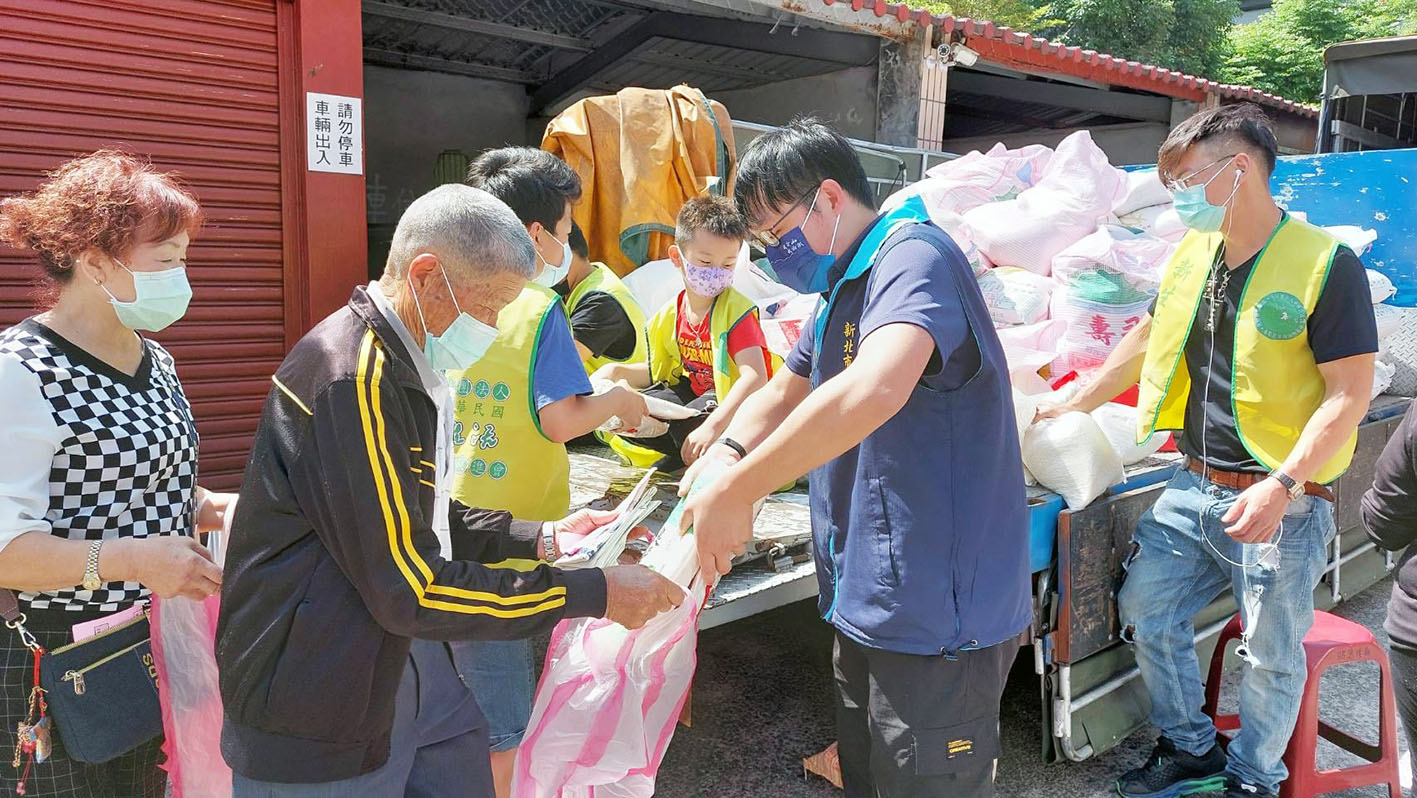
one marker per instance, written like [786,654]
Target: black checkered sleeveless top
[126,466]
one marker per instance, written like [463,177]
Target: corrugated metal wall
[192,84]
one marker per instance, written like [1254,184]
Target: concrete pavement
[762,701]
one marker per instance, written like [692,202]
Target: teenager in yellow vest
[1259,350]
[606,321]
[706,347]
[515,409]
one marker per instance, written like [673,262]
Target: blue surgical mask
[461,345]
[1199,213]
[159,299]
[551,276]
[798,266]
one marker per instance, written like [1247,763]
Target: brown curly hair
[109,201]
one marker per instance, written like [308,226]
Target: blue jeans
[501,674]
[1174,573]
[437,748]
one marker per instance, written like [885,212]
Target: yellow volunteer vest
[729,308]
[602,279]
[1276,384]
[501,459]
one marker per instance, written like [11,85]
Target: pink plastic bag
[183,642]
[607,705]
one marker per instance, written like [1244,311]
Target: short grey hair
[474,233]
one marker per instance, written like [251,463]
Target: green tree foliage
[1282,52]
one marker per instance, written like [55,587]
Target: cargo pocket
[956,749]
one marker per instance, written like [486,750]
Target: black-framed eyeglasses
[766,237]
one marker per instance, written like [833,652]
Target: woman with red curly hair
[98,492]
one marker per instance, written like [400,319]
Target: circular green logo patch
[498,470]
[481,389]
[1280,316]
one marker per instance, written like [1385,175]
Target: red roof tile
[1002,45]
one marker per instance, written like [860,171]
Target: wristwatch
[548,542]
[1294,488]
[91,580]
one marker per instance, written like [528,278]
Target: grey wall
[846,99]
[411,116]
[1124,144]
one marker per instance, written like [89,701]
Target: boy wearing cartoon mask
[706,346]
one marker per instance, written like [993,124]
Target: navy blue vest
[920,533]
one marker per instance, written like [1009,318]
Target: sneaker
[1234,788]
[1170,773]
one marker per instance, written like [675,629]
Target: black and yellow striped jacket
[333,567]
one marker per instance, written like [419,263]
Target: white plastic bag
[1383,372]
[1119,424]
[1389,321]
[1140,258]
[1144,189]
[1380,287]
[1358,239]
[1015,296]
[1071,456]
[1076,194]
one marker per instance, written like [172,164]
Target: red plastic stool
[1331,641]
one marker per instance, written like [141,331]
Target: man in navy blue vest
[897,401]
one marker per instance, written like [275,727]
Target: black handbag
[102,691]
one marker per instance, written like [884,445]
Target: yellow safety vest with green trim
[501,458]
[665,365]
[1276,385]
[604,280]
[729,309]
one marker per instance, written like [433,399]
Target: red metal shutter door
[192,85]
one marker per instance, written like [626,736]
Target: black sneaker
[1170,773]
[1234,788]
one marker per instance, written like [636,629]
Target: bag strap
[10,606]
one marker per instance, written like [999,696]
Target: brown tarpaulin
[640,153]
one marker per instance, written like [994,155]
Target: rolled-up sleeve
[29,437]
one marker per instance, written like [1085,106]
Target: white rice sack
[1383,373]
[1389,320]
[1041,337]
[1071,456]
[654,284]
[1144,189]
[1099,308]
[1025,406]
[1075,194]
[752,282]
[1380,286]
[1140,258]
[1119,424]
[1000,170]
[1358,239]
[1015,296]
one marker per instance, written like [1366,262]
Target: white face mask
[159,298]
[552,275]
[461,345]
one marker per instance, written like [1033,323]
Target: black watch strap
[1284,479]
[734,445]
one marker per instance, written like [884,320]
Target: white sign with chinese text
[334,133]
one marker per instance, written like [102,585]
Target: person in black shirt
[1389,512]
[1260,351]
[1335,332]
[599,322]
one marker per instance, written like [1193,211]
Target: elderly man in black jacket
[347,557]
